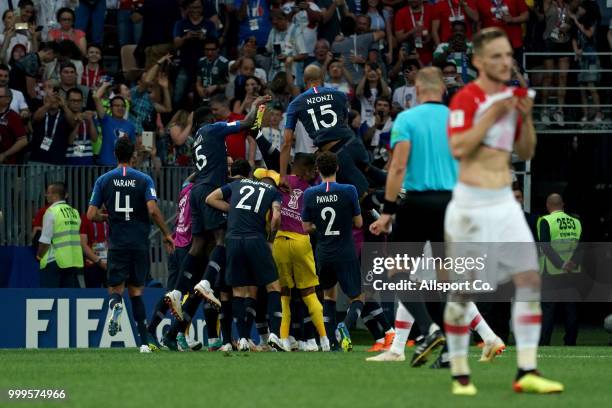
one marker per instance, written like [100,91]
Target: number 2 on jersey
[325,110]
[249,192]
[127,209]
[332,217]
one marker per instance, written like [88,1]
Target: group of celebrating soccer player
[262,271]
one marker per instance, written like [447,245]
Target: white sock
[478,323]
[526,324]
[457,331]
[403,324]
[433,328]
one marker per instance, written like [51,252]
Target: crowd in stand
[61,105]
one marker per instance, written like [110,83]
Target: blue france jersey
[331,208]
[323,111]
[250,201]
[210,153]
[125,193]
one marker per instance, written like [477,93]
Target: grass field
[125,378]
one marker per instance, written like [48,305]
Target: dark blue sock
[114,298]
[370,320]
[190,270]
[239,312]
[329,317]
[295,329]
[250,306]
[353,313]
[158,315]
[380,316]
[140,317]
[225,316]
[211,316]
[274,311]
[215,264]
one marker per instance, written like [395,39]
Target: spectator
[282,89]
[452,80]
[94,242]
[68,81]
[354,48]
[584,42]
[27,13]
[450,11]
[189,35]
[285,42]
[557,39]
[404,97]
[378,15]
[239,71]
[339,77]
[254,88]
[114,125]
[254,19]
[333,11]
[93,73]
[272,130]
[158,20]
[459,50]
[84,134]
[235,142]
[46,13]
[90,19]
[212,71]
[52,126]
[68,52]
[18,52]
[146,99]
[322,54]
[509,15]
[306,16]
[371,87]
[179,131]
[66,31]
[12,37]
[413,24]
[18,103]
[377,137]
[129,22]
[362,24]
[12,132]
[59,249]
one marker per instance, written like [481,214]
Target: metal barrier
[570,126]
[22,190]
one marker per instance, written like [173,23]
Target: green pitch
[125,378]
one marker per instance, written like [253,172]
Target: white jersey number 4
[119,209]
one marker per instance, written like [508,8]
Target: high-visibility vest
[66,240]
[565,232]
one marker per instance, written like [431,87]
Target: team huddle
[268,247]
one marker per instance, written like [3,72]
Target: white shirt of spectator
[46,234]
[291,42]
[386,129]
[343,86]
[300,19]
[303,142]
[18,103]
[273,136]
[405,96]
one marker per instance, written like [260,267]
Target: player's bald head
[313,75]
[554,202]
[430,81]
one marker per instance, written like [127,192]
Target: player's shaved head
[430,79]
[58,189]
[554,202]
[313,75]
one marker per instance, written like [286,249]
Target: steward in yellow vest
[59,252]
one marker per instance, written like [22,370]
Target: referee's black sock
[274,311]
[215,264]
[353,313]
[114,298]
[239,313]
[225,316]
[140,317]
[421,316]
[158,315]
[250,306]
